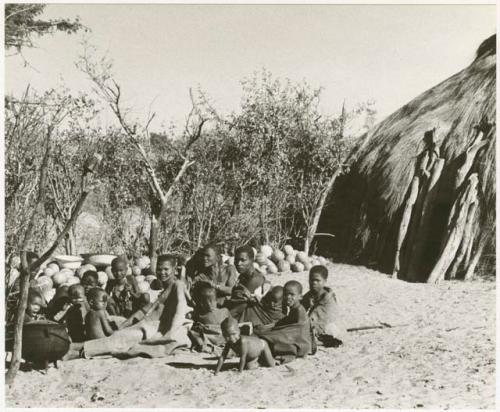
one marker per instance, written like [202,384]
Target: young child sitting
[120,289]
[97,324]
[75,316]
[273,303]
[35,308]
[89,280]
[322,309]
[206,334]
[252,350]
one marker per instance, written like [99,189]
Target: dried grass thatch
[368,203]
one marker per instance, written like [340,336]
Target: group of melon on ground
[68,270]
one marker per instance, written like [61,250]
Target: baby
[273,303]
[97,324]
[34,310]
[76,314]
[89,280]
[251,349]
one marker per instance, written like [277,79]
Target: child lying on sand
[252,350]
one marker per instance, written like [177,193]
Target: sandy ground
[444,358]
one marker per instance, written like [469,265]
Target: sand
[444,358]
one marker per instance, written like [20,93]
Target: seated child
[89,280]
[252,350]
[60,303]
[291,336]
[120,289]
[273,303]
[322,309]
[206,333]
[75,316]
[97,324]
[35,308]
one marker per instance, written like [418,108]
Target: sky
[386,53]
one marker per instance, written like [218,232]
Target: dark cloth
[220,275]
[290,336]
[246,308]
[75,321]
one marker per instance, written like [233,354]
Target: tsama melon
[302,257]
[73,280]
[271,267]
[266,250]
[283,266]
[143,286]
[290,259]
[143,262]
[289,250]
[150,278]
[45,282]
[54,266]
[59,278]
[261,259]
[308,265]
[136,271]
[48,271]
[277,256]
[297,267]
[85,268]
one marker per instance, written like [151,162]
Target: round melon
[266,250]
[271,268]
[102,278]
[315,262]
[73,280]
[85,268]
[297,267]
[289,250]
[129,271]
[136,271]
[302,257]
[261,259]
[15,262]
[322,260]
[49,294]
[143,286]
[140,278]
[54,266]
[48,271]
[150,278]
[308,265]
[277,256]
[290,259]
[59,278]
[262,269]
[283,266]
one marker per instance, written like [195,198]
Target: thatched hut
[419,201]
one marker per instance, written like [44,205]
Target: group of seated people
[229,307]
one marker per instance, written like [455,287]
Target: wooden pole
[405,221]
[421,235]
[452,243]
[471,269]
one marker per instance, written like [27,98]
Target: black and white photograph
[249,206]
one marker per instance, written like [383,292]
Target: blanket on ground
[245,307]
[163,330]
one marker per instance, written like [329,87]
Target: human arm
[222,358]
[106,325]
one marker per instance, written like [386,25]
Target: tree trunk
[405,221]
[422,233]
[456,230]
[70,243]
[313,226]
[153,241]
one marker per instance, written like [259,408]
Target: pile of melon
[53,275]
[273,261]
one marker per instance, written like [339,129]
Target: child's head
[119,267]
[274,298]
[318,276]
[166,268]
[97,299]
[292,293]
[209,256]
[243,259]
[205,297]
[230,329]
[76,293]
[35,302]
[89,280]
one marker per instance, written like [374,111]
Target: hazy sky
[388,53]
